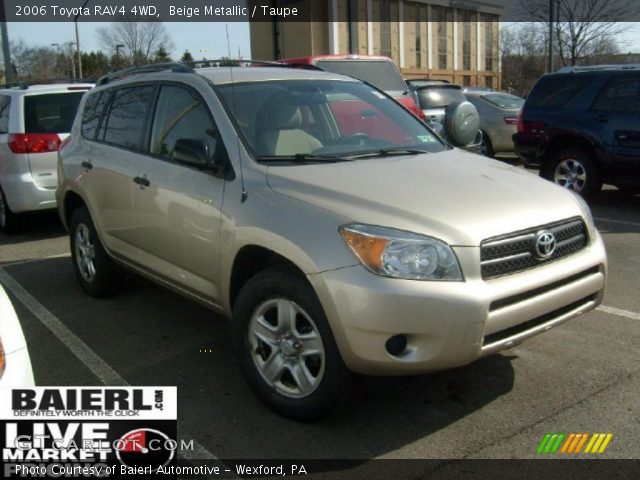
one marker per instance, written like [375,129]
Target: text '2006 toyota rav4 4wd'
[333,227]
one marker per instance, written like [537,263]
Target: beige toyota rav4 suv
[335,229]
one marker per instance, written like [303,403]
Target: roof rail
[595,68]
[183,67]
[157,67]
[230,62]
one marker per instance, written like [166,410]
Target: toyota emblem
[545,244]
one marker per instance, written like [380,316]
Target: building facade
[455,40]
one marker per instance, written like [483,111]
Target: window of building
[466,40]
[490,40]
[418,37]
[125,125]
[385,28]
[440,17]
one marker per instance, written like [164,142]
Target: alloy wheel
[85,253]
[286,348]
[570,174]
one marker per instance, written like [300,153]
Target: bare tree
[141,40]
[522,48]
[583,25]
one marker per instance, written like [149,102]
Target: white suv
[34,121]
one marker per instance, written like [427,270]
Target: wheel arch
[252,259]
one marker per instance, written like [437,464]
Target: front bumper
[23,194]
[449,324]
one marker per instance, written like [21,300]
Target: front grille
[515,251]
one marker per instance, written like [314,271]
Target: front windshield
[329,118]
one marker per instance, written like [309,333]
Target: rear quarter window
[51,112]
[126,120]
[558,91]
[93,110]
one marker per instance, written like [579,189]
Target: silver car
[498,120]
[332,226]
[34,121]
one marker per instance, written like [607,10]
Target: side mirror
[462,123]
[192,152]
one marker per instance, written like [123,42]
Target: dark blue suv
[581,125]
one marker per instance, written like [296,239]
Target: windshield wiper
[386,152]
[299,158]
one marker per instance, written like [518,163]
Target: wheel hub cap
[289,346]
[286,348]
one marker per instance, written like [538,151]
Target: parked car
[498,119]
[581,126]
[379,71]
[443,102]
[34,121]
[15,364]
[334,228]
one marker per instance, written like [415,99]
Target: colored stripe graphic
[550,443]
[598,443]
[573,443]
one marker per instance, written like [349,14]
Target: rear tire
[285,347]
[97,273]
[487,147]
[8,219]
[573,169]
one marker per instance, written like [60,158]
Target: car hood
[456,196]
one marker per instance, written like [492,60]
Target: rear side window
[93,109]
[558,91]
[379,73]
[503,100]
[50,113]
[5,105]
[126,121]
[620,95]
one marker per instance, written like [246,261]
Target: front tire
[285,347]
[574,170]
[98,275]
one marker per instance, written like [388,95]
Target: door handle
[602,118]
[142,181]
[87,165]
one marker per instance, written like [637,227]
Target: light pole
[73,63]
[75,20]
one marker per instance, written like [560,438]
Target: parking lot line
[37,259]
[619,312]
[621,222]
[101,369]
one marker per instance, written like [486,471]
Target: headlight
[399,254]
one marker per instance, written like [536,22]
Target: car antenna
[244,194]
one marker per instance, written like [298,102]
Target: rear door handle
[87,165]
[142,181]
